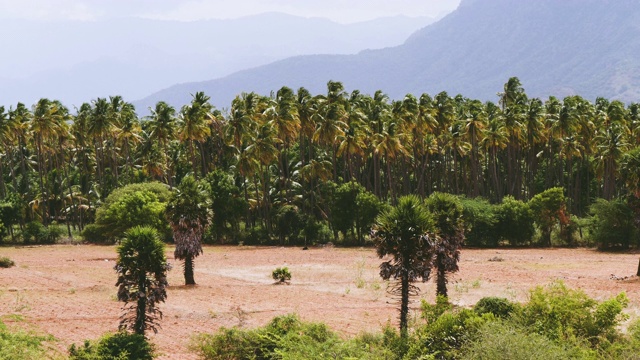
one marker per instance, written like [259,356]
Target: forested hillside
[294,157]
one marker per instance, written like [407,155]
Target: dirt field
[68,291]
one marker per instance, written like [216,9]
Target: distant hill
[76,61]
[586,47]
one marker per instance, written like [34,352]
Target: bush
[288,338]
[5,262]
[35,232]
[503,340]
[499,307]
[611,224]
[561,313]
[257,235]
[129,206]
[118,346]
[515,221]
[431,313]
[443,337]
[21,345]
[94,233]
[281,274]
[480,222]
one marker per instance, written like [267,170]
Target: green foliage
[560,313]
[611,224]
[281,274]
[287,338]
[431,313]
[515,222]
[132,205]
[11,212]
[94,233]
[480,220]
[5,262]
[549,209]
[118,346]
[443,337]
[499,307]
[188,216]
[22,345]
[227,204]
[504,340]
[447,212]
[35,232]
[142,279]
[354,210]
[289,223]
[403,232]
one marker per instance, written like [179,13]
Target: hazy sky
[338,10]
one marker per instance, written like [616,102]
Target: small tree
[515,221]
[188,216]
[403,233]
[132,205]
[447,212]
[549,209]
[611,223]
[142,279]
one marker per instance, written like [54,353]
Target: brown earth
[68,291]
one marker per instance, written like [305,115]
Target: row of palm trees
[281,148]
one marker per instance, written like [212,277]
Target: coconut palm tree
[161,127]
[193,122]
[47,125]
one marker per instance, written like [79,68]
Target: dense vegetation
[296,167]
[556,323]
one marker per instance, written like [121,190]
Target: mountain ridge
[556,48]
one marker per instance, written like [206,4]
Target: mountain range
[77,61]
[560,48]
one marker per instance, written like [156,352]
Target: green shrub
[561,313]
[503,340]
[94,233]
[443,337]
[118,346]
[35,232]
[21,345]
[5,262]
[611,224]
[499,307]
[281,274]
[289,223]
[480,222]
[129,206]
[431,313]
[257,235]
[515,221]
[288,338]
[55,233]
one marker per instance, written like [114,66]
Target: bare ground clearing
[68,291]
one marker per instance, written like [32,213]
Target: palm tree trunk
[404,302]
[441,276]
[188,271]
[141,309]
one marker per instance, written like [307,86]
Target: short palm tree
[447,213]
[188,216]
[142,279]
[403,232]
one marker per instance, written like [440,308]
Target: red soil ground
[68,291]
